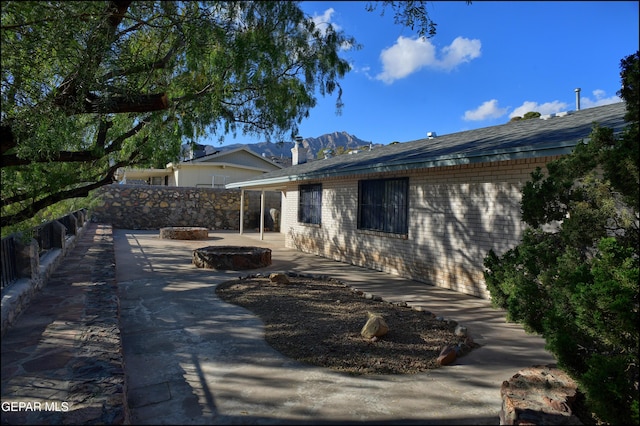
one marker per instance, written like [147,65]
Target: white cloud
[360,70]
[462,50]
[324,20]
[488,109]
[600,99]
[409,55]
[545,108]
[405,57]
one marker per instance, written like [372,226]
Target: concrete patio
[192,359]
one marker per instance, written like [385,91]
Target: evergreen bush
[573,279]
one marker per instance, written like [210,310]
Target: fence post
[73,224]
[59,232]
[81,218]
[27,259]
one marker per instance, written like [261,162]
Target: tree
[89,87]
[574,276]
[529,115]
[409,13]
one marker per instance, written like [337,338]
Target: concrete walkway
[192,359]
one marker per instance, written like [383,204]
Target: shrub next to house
[574,277]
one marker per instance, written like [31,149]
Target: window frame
[383,205]
[310,204]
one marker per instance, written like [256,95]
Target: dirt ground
[318,322]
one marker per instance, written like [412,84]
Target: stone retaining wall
[35,270]
[155,207]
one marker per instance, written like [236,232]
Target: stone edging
[448,354]
[535,395]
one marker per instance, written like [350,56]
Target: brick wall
[456,215]
[154,207]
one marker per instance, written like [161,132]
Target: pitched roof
[218,155]
[538,137]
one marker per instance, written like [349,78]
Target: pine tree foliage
[574,277]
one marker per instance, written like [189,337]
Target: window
[219,181]
[310,204]
[383,205]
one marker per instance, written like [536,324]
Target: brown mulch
[318,322]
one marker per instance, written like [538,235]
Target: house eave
[444,161]
[134,173]
[207,158]
[221,164]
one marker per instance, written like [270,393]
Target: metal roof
[531,138]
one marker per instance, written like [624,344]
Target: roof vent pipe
[577,99]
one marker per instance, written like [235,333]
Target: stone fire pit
[184,233]
[231,257]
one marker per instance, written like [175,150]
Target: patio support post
[262,215]
[241,211]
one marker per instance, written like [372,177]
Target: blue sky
[488,62]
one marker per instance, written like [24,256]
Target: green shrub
[573,279]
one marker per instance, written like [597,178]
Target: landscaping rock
[448,354]
[538,395]
[278,278]
[375,326]
[461,331]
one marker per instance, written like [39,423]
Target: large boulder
[539,395]
[375,326]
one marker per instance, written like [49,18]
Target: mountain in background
[281,152]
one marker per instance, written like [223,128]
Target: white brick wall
[456,215]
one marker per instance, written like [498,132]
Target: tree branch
[69,92]
[51,199]
[120,104]
[159,64]
[61,157]
[117,142]
[78,192]
[79,156]
[101,138]
[7,141]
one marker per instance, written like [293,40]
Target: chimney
[298,152]
[577,99]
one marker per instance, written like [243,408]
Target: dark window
[310,204]
[383,205]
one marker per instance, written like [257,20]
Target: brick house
[430,209]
